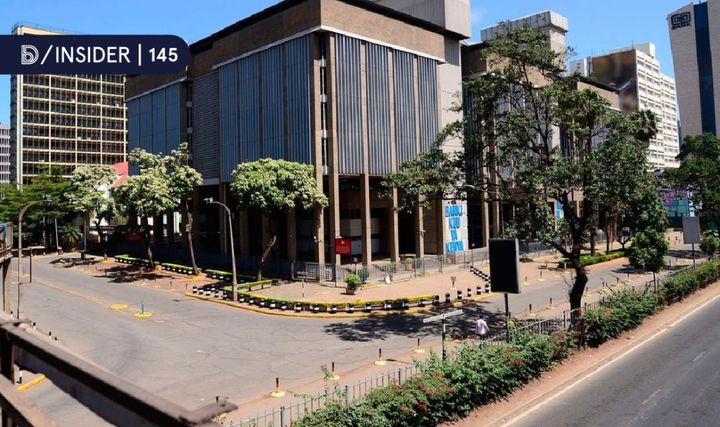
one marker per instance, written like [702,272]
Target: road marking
[119,307]
[582,379]
[144,315]
[37,380]
[650,398]
[699,356]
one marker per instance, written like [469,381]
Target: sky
[594,30]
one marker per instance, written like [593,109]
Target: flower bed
[587,260]
[334,307]
[127,259]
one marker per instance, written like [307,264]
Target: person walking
[481,327]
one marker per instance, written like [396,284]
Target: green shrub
[623,311]
[679,286]
[587,260]
[352,282]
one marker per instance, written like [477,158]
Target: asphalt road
[673,380]
[191,351]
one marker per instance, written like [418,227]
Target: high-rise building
[635,72]
[695,41]
[64,121]
[549,22]
[4,154]
[352,87]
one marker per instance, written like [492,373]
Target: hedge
[127,259]
[679,286]
[450,390]
[325,306]
[623,311]
[587,260]
[227,276]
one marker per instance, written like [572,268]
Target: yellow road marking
[37,380]
[119,307]
[143,315]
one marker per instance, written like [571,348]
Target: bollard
[550,306]
[478,290]
[469,293]
[333,376]
[526,281]
[418,349]
[380,361]
[541,276]
[459,295]
[50,334]
[34,325]
[277,392]
[447,297]
[20,377]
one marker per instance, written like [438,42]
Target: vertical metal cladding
[349,105]
[378,107]
[428,98]
[206,143]
[249,75]
[174,135]
[228,119]
[298,100]
[146,135]
[273,103]
[405,119]
[133,114]
[159,135]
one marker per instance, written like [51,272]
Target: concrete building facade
[64,121]
[352,87]
[4,154]
[635,72]
[695,41]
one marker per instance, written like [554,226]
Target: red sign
[343,246]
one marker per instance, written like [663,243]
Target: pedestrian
[481,327]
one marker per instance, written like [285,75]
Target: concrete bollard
[333,376]
[380,361]
[418,349]
[277,392]
[459,295]
[447,297]
[469,293]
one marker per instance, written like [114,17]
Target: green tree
[699,172]
[37,219]
[164,183]
[648,251]
[534,138]
[273,187]
[70,235]
[89,194]
[710,244]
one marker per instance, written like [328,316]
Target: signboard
[443,316]
[681,20]
[691,229]
[454,220]
[343,246]
[505,266]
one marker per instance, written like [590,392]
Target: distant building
[551,23]
[635,72]
[695,41]
[4,154]
[64,121]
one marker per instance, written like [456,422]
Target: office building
[695,41]
[635,73]
[353,87]
[551,23]
[4,154]
[62,122]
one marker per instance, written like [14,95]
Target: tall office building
[635,73]
[4,154]
[352,87]
[695,41]
[64,121]
[549,22]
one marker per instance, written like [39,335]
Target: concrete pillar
[393,234]
[333,175]
[495,212]
[441,228]
[365,219]
[6,288]
[484,212]
[291,224]
[419,233]
[316,114]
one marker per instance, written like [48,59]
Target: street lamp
[211,201]
[46,200]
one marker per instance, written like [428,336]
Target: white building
[4,154]
[635,72]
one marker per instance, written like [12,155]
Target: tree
[699,172]
[50,183]
[70,235]
[534,138]
[163,184]
[710,244]
[89,194]
[273,187]
[648,251]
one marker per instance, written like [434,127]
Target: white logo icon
[28,54]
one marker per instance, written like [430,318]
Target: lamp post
[46,199]
[211,201]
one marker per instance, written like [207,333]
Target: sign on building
[680,20]
[343,246]
[454,215]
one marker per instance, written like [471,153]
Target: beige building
[635,72]
[549,22]
[352,87]
[64,121]
[695,41]
[4,154]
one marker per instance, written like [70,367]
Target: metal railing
[112,398]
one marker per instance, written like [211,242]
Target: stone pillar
[394,235]
[333,174]
[484,212]
[419,233]
[316,114]
[366,221]
[291,223]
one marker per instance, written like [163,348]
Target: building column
[441,228]
[6,288]
[419,233]
[484,212]
[394,235]
[291,224]
[333,162]
[365,219]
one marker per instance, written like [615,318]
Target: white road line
[699,356]
[582,379]
[650,398]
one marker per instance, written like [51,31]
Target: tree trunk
[188,233]
[265,255]
[101,236]
[148,246]
[581,280]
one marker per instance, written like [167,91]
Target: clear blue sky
[595,27]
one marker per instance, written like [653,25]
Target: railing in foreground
[114,399]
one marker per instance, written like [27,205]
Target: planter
[283,307]
[298,308]
[368,308]
[351,309]
[349,291]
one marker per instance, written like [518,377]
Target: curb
[271,312]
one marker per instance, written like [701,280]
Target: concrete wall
[684,49]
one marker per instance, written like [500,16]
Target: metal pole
[507,318]
[693,253]
[31,265]
[57,241]
[444,355]
[232,254]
